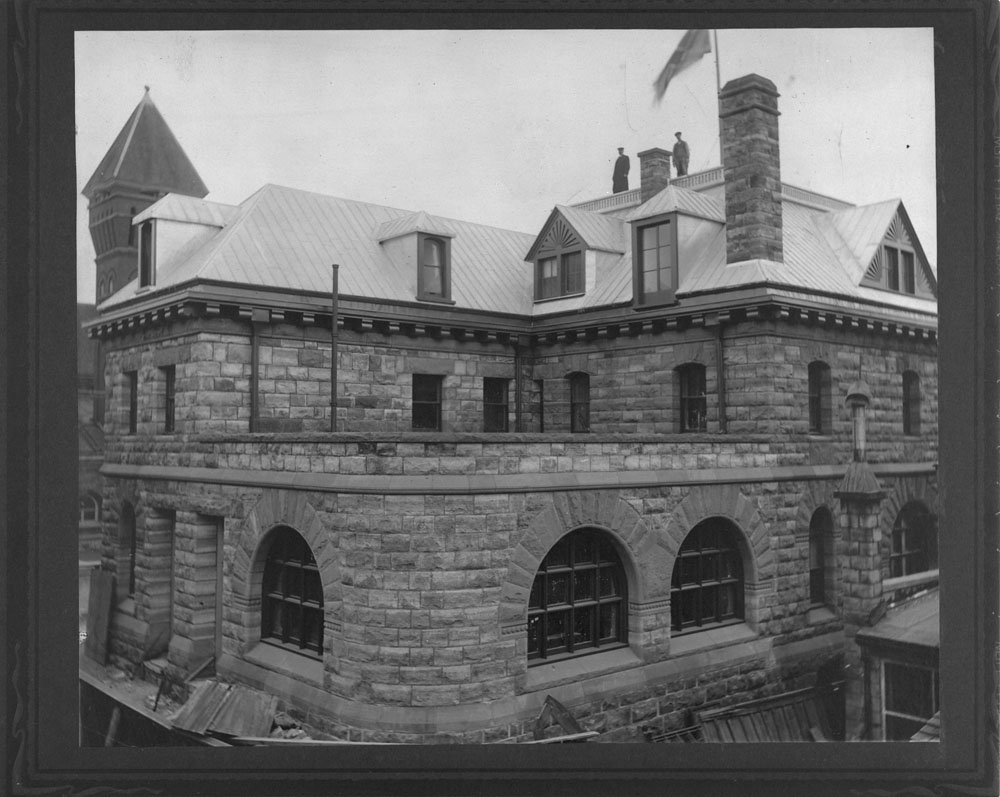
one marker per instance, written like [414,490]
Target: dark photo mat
[37,335]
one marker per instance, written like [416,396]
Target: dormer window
[655,261]
[434,278]
[898,264]
[559,263]
[147,255]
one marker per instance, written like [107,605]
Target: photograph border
[38,553]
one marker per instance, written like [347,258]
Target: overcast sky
[496,127]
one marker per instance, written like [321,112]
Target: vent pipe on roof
[748,115]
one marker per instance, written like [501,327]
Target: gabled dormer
[572,247]
[422,244]
[899,264]
[170,230]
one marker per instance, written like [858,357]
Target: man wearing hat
[619,181]
[681,155]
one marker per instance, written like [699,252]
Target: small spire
[147,89]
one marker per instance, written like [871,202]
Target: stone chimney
[748,115]
[654,171]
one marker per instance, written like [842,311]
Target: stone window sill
[546,676]
[700,641]
[820,614]
[286,662]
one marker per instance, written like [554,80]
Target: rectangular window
[132,379]
[693,400]
[561,275]
[427,403]
[495,405]
[910,699]
[655,272]
[819,398]
[169,398]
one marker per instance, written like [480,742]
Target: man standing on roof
[681,155]
[619,181]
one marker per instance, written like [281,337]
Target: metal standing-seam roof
[288,239]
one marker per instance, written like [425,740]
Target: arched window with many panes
[706,589]
[579,598]
[292,599]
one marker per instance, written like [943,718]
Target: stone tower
[144,163]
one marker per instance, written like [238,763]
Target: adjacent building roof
[146,154]
[914,623]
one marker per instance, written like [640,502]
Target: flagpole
[718,90]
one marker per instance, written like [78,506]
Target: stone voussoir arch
[816,494]
[906,491]
[605,510]
[726,501]
[292,509]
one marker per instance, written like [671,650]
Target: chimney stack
[748,114]
[654,172]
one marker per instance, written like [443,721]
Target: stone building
[612,462]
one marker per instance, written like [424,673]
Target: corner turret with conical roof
[144,163]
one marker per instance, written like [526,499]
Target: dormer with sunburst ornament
[899,264]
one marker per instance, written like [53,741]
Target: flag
[693,46]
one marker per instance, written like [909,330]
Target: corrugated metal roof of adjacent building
[147,154]
[791,717]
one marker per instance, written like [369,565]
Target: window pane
[909,285]
[534,635]
[557,633]
[572,265]
[584,549]
[610,614]
[557,590]
[609,582]
[583,585]
[909,690]
[892,268]
[583,630]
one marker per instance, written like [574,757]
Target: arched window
[821,558]
[292,600]
[693,404]
[434,277]
[706,589]
[111,283]
[820,405]
[579,402]
[578,599]
[88,508]
[914,541]
[911,403]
